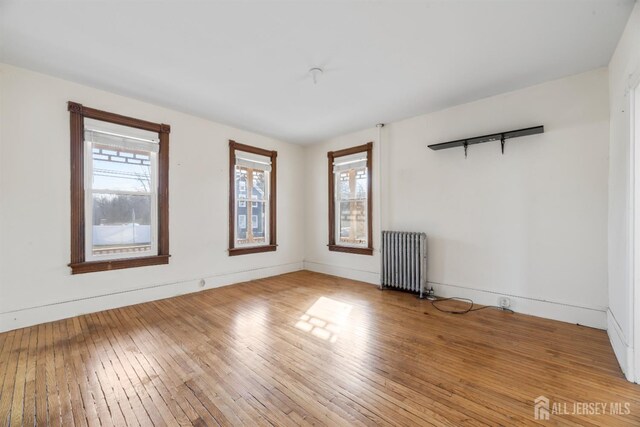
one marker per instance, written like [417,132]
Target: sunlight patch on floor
[325,318]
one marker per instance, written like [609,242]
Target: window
[119,191]
[350,210]
[252,201]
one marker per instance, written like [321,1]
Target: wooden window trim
[272,246]
[368,148]
[78,265]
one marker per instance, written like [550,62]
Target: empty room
[331,213]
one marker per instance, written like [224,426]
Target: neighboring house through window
[350,226]
[252,203]
[119,185]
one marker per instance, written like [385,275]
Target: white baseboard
[621,348]
[64,309]
[346,272]
[594,317]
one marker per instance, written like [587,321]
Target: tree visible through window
[119,191]
[121,183]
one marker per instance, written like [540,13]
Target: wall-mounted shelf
[500,136]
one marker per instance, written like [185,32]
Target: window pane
[352,184]
[241,225]
[251,205]
[121,224]
[251,223]
[241,182]
[258,221]
[344,188]
[121,169]
[361,183]
[259,185]
[353,222]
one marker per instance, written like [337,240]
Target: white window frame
[88,207]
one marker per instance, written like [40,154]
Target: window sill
[252,250]
[118,264]
[351,250]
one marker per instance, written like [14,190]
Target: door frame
[633,365]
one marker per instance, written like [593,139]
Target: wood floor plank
[17,410]
[76,348]
[173,377]
[29,405]
[129,407]
[10,367]
[306,349]
[61,379]
[155,372]
[6,340]
[107,408]
[42,416]
[79,411]
[134,381]
[54,410]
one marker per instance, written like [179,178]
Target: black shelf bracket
[500,136]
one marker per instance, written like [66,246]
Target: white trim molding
[29,316]
[372,277]
[587,316]
[621,348]
[594,317]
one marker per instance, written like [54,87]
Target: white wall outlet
[504,302]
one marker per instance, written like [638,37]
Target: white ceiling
[245,63]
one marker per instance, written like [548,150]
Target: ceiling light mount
[315,72]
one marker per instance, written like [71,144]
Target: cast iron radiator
[404,261]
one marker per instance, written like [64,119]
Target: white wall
[317,255]
[623,69]
[531,224]
[35,282]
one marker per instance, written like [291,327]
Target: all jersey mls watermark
[543,408]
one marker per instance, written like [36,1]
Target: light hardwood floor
[305,348]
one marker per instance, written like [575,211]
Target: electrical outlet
[504,303]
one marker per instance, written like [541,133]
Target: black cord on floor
[468,309]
